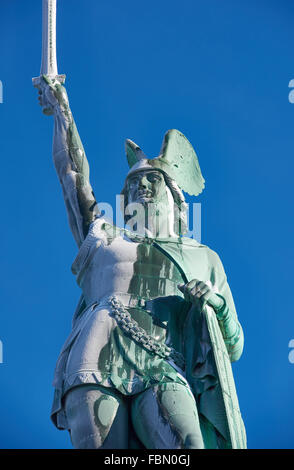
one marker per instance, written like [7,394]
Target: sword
[49,61]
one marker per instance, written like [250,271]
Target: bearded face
[152,199]
[146,186]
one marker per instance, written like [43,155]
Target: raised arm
[69,159]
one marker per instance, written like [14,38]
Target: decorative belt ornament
[131,328]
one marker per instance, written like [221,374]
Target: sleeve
[227,316]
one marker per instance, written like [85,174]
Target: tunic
[144,280]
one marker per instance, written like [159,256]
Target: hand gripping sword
[49,62]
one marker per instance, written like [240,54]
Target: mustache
[143,192]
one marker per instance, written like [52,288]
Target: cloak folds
[208,363]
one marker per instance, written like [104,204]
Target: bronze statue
[147,363]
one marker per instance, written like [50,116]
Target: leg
[97,418]
[166,417]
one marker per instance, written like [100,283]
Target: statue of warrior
[147,363]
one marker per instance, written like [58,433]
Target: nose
[143,182]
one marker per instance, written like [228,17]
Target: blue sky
[217,71]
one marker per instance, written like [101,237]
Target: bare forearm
[70,160]
[73,170]
[68,150]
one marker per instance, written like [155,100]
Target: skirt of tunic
[99,352]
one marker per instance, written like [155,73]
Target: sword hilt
[38,83]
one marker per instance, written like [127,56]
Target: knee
[193,441]
[90,415]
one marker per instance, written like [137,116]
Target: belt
[128,300]
[131,328]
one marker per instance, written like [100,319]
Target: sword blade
[49,62]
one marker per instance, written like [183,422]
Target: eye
[154,177]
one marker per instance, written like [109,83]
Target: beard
[146,216]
